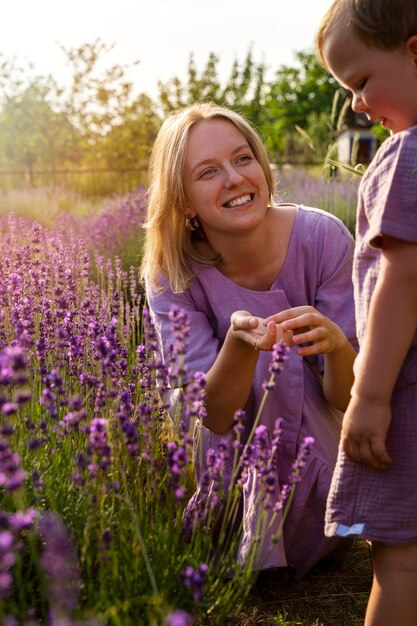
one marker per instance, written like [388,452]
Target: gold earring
[192,223]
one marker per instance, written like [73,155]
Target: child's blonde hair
[169,249]
[385,24]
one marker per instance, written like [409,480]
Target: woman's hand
[323,336]
[257,332]
[309,326]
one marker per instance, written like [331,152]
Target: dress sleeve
[389,191]
[332,248]
[330,257]
[201,344]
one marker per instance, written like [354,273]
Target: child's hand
[364,430]
[310,326]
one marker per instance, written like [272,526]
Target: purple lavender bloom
[98,449]
[9,408]
[11,474]
[193,402]
[179,618]
[300,460]
[13,365]
[177,460]
[7,560]
[175,350]
[59,563]
[23,520]
[282,498]
[279,356]
[194,579]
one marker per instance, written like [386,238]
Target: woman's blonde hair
[385,24]
[169,250]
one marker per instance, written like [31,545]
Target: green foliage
[100,122]
[97,121]
[243,90]
[34,133]
[300,96]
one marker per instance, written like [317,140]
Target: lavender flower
[279,356]
[194,580]
[59,564]
[11,474]
[193,405]
[7,560]
[98,449]
[177,461]
[13,365]
[181,329]
[300,460]
[22,520]
[179,618]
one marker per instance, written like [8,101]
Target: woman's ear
[188,211]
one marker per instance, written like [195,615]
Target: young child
[370,47]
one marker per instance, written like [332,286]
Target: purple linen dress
[382,505]
[317,272]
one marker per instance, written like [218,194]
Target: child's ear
[411,47]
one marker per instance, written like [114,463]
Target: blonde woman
[248,272]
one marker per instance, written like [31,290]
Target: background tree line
[98,121]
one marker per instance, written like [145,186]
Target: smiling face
[383,82]
[224,183]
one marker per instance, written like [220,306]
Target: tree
[300,96]
[238,92]
[118,128]
[128,144]
[96,120]
[33,133]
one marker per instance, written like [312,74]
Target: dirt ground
[330,595]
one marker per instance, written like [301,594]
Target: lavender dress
[382,505]
[317,272]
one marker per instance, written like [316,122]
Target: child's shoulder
[403,142]
[397,156]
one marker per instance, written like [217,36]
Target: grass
[46,204]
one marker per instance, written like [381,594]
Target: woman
[248,273]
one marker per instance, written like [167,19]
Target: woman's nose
[232,177]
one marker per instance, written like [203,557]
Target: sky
[160,34]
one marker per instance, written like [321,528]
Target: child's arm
[391,325]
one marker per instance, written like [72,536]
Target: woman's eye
[361,84]
[207,172]
[244,158]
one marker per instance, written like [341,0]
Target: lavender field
[95,476]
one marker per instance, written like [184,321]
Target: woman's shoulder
[314,222]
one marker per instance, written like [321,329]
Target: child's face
[383,82]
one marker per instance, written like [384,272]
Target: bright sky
[161,34]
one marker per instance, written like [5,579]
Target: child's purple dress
[316,272]
[381,505]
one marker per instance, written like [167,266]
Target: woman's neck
[254,260]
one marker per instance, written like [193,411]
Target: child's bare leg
[393,598]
